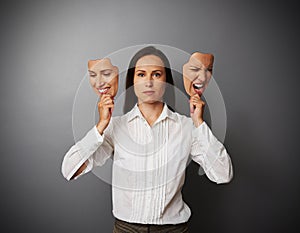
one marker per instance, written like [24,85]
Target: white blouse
[149,163]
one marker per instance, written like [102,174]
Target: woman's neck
[151,111]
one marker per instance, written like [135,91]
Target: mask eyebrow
[91,72]
[106,70]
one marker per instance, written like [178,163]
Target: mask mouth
[198,86]
[103,90]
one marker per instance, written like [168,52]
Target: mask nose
[99,81]
[202,76]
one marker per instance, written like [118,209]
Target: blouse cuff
[82,151]
[203,134]
[98,135]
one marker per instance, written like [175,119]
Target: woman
[150,146]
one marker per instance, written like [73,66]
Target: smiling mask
[103,76]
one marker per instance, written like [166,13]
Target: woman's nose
[149,81]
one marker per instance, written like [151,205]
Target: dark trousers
[126,227]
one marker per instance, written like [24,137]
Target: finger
[199,106]
[105,105]
[106,99]
[105,96]
[194,100]
[196,97]
[197,102]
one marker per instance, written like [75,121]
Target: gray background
[44,49]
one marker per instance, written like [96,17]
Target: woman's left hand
[196,109]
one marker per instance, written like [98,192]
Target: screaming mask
[197,72]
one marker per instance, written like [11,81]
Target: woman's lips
[148,92]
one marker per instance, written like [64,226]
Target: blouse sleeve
[211,155]
[93,149]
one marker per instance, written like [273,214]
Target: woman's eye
[195,69]
[140,75]
[156,75]
[92,75]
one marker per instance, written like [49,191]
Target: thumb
[111,110]
[191,107]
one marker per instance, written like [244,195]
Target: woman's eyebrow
[151,71]
[157,71]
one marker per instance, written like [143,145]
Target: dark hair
[130,97]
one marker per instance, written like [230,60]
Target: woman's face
[103,76]
[197,72]
[149,79]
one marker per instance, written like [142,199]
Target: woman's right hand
[105,109]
